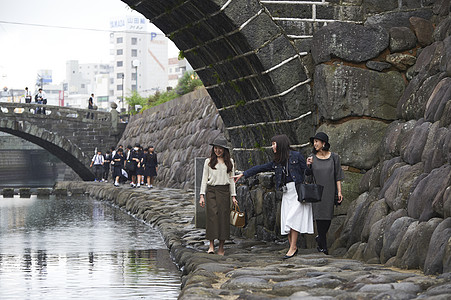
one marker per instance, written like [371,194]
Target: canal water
[80,248]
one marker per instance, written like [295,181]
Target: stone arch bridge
[64,132]
[267,63]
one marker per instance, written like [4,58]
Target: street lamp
[122,99]
[135,64]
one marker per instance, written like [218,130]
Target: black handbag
[130,165]
[309,192]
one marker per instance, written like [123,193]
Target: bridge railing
[53,112]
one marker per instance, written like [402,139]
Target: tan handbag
[237,218]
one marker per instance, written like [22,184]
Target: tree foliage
[186,84]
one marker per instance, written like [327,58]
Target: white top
[218,176]
[98,159]
[42,95]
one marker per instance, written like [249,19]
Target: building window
[119,75]
[119,52]
[82,85]
[119,40]
[119,87]
[134,53]
[134,41]
[119,63]
[133,76]
[133,87]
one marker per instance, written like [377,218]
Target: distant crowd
[136,165]
[39,98]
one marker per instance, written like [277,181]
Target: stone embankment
[255,269]
[180,131]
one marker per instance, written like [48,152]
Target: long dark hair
[226,157]
[282,148]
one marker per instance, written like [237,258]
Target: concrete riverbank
[253,269]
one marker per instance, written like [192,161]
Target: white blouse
[218,176]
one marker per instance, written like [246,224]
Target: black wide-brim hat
[221,142]
[322,137]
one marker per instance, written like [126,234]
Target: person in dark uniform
[140,167]
[118,165]
[151,166]
[90,106]
[106,165]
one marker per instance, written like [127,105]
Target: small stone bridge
[64,132]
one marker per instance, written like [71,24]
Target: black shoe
[322,250]
[318,242]
[290,256]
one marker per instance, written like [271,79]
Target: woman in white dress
[288,166]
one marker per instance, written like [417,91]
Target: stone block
[8,192]
[297,27]
[412,103]
[436,254]
[60,192]
[397,18]
[285,10]
[401,39]
[401,61]
[419,204]
[377,65]
[357,43]
[423,29]
[378,6]
[24,192]
[413,249]
[356,141]
[342,91]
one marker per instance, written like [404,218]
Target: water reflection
[80,248]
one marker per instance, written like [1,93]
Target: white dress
[295,215]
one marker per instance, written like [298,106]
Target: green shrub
[187,83]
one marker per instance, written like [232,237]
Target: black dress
[151,165]
[118,165]
[140,169]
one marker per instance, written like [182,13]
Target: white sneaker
[138,185]
[116,184]
[133,185]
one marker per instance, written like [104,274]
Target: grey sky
[25,49]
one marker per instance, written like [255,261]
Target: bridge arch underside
[252,70]
[61,147]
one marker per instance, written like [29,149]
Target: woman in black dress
[325,166]
[140,167]
[151,167]
[118,165]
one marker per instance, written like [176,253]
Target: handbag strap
[313,176]
[236,208]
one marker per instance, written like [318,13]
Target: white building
[86,79]
[140,57]
[176,69]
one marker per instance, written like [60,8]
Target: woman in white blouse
[217,187]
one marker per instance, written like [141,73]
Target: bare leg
[221,247]
[211,248]
[292,238]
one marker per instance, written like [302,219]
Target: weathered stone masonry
[376,82]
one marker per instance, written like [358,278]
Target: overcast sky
[25,49]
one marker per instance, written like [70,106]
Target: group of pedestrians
[138,165]
[39,98]
[290,168]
